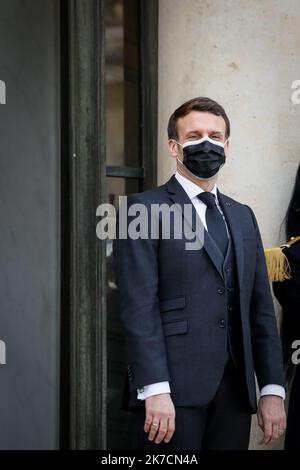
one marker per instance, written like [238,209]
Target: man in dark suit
[199,322]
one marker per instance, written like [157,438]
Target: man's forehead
[199,120]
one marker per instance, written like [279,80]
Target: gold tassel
[277,263]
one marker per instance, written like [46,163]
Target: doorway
[110,149]
[128,171]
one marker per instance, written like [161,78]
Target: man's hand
[160,418]
[271,417]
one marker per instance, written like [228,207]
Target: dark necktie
[214,220]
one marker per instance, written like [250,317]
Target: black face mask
[203,157]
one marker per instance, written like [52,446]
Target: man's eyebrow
[196,131]
[216,132]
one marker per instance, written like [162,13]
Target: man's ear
[226,148]
[173,148]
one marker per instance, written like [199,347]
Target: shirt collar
[191,188]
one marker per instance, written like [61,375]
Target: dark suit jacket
[288,294]
[172,301]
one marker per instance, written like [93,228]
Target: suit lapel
[178,195]
[234,224]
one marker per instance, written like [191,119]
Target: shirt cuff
[273,389]
[153,389]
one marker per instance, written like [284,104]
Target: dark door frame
[83,327]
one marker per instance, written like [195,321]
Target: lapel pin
[228,203]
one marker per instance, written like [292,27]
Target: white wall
[245,55]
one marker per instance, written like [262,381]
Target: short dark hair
[196,104]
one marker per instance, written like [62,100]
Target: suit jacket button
[222,323]
[220,291]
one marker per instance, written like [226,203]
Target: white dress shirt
[192,191]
